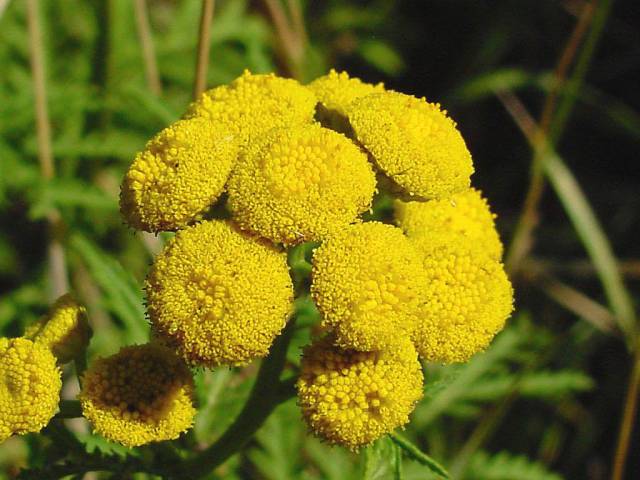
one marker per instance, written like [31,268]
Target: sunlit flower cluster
[256,168]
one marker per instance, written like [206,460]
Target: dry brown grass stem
[148,50]
[204,45]
[291,34]
[523,240]
[58,280]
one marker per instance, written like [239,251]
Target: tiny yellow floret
[336,90]
[301,184]
[352,398]
[369,285]
[64,329]
[252,105]
[140,395]
[29,386]
[470,298]
[219,296]
[414,143]
[465,214]
[180,174]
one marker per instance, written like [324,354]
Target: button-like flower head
[300,184]
[352,398]
[219,296]
[465,214]
[181,172]
[141,394]
[29,386]
[252,105]
[413,142]
[369,285]
[335,91]
[64,329]
[470,298]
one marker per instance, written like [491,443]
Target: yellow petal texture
[219,296]
[413,142]
[29,386]
[465,214]
[335,91]
[64,330]
[369,285]
[352,398]
[470,298]
[181,172]
[301,184]
[141,394]
[254,104]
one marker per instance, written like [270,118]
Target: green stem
[69,409]
[267,393]
[418,455]
[594,240]
[628,419]
[573,86]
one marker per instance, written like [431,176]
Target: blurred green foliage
[541,404]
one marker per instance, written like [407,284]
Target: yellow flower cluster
[29,386]
[139,395]
[218,296]
[352,398]
[298,164]
[64,330]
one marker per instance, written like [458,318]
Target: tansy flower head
[141,394]
[301,184]
[352,398]
[413,142]
[369,284]
[335,91]
[470,297]
[180,173]
[29,386]
[219,296]
[465,214]
[254,104]
[64,330]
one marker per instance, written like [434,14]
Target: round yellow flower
[470,298]
[219,296]
[181,172]
[352,398]
[413,142]
[254,104]
[335,91]
[369,285]
[465,214]
[64,330]
[301,184]
[141,394]
[29,386]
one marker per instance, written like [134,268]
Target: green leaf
[414,453]
[379,460]
[382,56]
[507,466]
[123,296]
